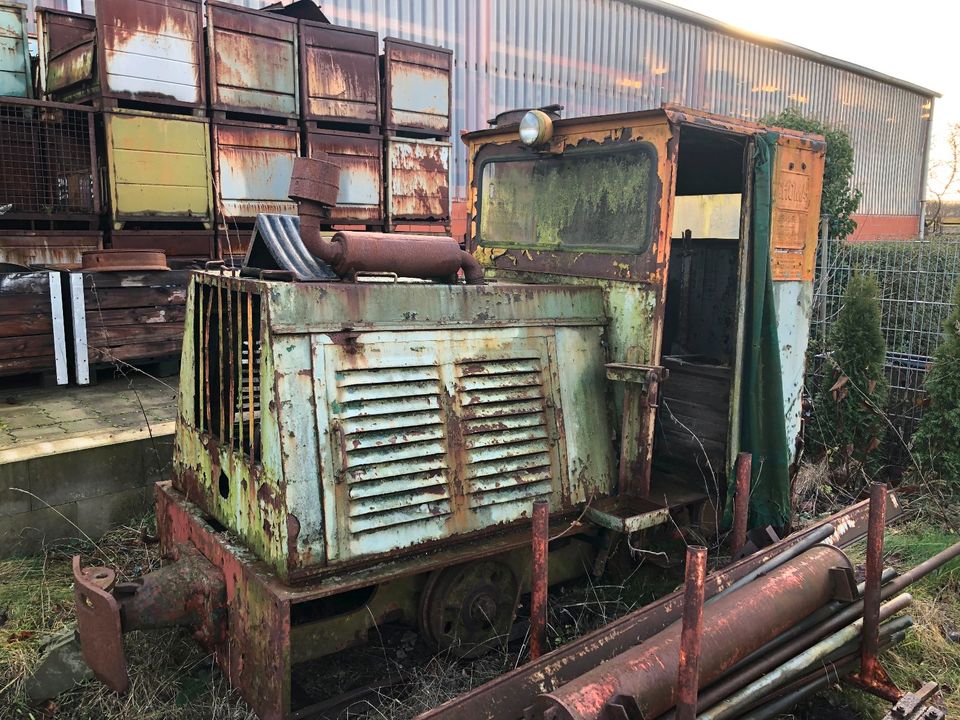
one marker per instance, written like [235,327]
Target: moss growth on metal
[595,201]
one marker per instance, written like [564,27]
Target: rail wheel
[469,609]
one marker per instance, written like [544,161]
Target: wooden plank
[10,365]
[24,283]
[117,335]
[141,351]
[25,304]
[157,278]
[131,298]
[26,346]
[16,325]
[147,315]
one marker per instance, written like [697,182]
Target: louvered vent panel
[393,446]
[505,432]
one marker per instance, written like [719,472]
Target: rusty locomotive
[361,435]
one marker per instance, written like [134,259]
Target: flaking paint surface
[151,50]
[14,71]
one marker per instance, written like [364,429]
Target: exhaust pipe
[314,187]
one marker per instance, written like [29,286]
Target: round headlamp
[536,128]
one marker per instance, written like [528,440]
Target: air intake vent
[505,433]
[227,366]
[393,442]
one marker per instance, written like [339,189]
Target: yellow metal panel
[159,167]
[153,168]
[185,202]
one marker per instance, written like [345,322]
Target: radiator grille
[227,366]
[393,440]
[506,437]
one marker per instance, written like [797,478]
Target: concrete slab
[86,457]
[48,421]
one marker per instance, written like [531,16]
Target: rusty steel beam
[871,592]
[691,634]
[539,582]
[736,624]
[508,696]
[741,505]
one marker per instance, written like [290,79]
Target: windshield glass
[587,200]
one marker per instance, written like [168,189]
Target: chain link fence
[917,281]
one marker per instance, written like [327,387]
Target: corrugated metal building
[600,56]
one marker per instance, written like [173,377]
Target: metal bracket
[844,584]
[98,622]
[879,684]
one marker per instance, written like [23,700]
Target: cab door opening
[697,425]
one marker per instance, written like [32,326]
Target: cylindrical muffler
[418,256]
[314,185]
[734,625]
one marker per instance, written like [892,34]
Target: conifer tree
[937,440]
[849,408]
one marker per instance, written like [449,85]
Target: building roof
[710,23]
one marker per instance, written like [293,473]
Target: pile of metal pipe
[762,645]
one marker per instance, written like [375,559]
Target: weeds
[931,650]
[171,677]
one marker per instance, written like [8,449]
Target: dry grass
[171,678]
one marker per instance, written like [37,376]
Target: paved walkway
[42,421]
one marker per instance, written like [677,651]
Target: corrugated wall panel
[598,56]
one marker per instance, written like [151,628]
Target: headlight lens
[536,128]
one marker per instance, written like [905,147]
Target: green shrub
[840,200]
[849,418]
[937,440]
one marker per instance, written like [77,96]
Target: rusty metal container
[416,88]
[15,76]
[253,61]
[176,243]
[47,247]
[339,75]
[145,51]
[158,168]
[360,157]
[253,163]
[47,163]
[417,180]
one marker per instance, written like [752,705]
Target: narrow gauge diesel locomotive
[361,435]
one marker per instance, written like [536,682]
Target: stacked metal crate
[341,115]
[49,199]
[255,106]
[139,64]
[49,205]
[416,121]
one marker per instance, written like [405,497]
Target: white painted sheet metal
[600,56]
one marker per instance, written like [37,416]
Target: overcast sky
[916,41]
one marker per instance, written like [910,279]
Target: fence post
[823,256]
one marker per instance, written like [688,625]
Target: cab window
[597,200]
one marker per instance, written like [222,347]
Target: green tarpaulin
[763,425]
